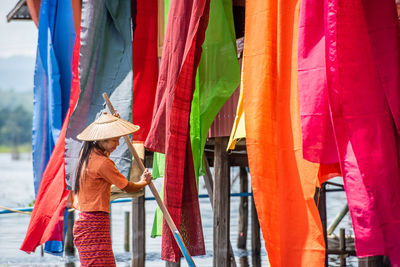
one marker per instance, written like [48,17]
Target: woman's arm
[145,179]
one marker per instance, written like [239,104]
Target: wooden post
[221,206]
[138,216]
[374,261]
[255,236]
[243,210]
[138,232]
[69,237]
[342,247]
[208,180]
[126,232]
[173,264]
[320,201]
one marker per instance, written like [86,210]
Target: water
[16,190]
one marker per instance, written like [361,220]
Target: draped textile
[105,66]
[169,133]
[145,66]
[214,85]
[52,84]
[34,10]
[238,128]
[283,182]
[47,215]
[52,80]
[356,43]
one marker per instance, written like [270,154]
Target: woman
[95,174]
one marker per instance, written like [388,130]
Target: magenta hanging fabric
[349,96]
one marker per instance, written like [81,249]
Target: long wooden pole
[167,216]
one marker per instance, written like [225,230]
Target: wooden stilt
[255,236]
[173,264]
[320,201]
[69,237]
[208,180]
[221,206]
[243,210]
[126,231]
[138,232]
[342,248]
[374,261]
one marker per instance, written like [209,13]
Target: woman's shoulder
[97,157]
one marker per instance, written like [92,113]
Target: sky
[18,37]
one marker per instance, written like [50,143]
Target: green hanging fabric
[158,172]
[159,161]
[214,86]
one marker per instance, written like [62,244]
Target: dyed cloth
[105,66]
[214,85]
[145,66]
[52,80]
[283,182]
[47,215]
[92,239]
[238,129]
[34,9]
[169,133]
[357,105]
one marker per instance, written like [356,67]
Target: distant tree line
[15,126]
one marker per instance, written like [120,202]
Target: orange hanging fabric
[283,182]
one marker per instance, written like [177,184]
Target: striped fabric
[92,238]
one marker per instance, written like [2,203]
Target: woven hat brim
[103,131]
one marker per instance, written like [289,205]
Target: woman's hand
[116,114]
[145,179]
[146,176]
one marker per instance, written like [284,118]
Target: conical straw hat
[107,126]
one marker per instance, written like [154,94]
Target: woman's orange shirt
[95,183]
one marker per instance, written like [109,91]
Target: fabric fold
[145,66]
[169,132]
[105,66]
[52,80]
[349,69]
[47,215]
[364,121]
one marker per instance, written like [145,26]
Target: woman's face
[109,145]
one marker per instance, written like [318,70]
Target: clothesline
[5,210]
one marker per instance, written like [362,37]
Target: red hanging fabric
[144,66]
[169,133]
[48,213]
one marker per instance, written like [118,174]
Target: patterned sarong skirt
[93,240]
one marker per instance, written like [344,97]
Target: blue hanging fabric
[52,86]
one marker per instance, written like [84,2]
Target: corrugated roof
[19,12]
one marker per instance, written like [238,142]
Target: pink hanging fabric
[349,68]
[318,137]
